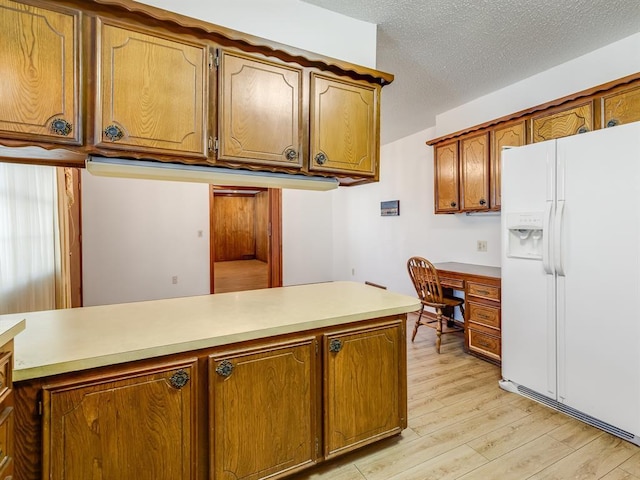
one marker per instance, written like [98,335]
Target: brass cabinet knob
[113,133]
[583,130]
[453,204]
[60,126]
[482,201]
[291,154]
[335,345]
[225,368]
[321,158]
[612,123]
[179,379]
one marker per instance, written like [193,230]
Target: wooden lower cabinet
[364,386]
[136,425]
[6,412]
[263,410]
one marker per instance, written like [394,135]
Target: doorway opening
[246,238]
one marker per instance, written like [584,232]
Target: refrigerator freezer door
[598,320]
[528,292]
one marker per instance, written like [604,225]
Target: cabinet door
[263,411]
[578,118]
[39,55]
[136,425]
[260,111]
[151,92]
[364,386]
[622,106]
[505,136]
[474,172]
[447,196]
[344,129]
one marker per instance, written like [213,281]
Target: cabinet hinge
[216,60]
[40,408]
[213,144]
[317,447]
[211,61]
[315,342]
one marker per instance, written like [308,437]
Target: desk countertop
[61,341]
[469,269]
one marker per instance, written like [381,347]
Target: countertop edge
[49,370]
[11,332]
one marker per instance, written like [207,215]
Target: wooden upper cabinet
[474,172]
[140,424]
[511,135]
[363,400]
[577,118]
[262,408]
[622,105]
[259,111]
[40,90]
[151,91]
[344,126]
[447,195]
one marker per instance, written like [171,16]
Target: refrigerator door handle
[546,240]
[557,247]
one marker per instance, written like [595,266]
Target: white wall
[378,247]
[290,22]
[138,234]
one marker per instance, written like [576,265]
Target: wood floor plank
[520,432]
[448,466]
[592,461]
[632,465]
[523,462]
[575,433]
[619,474]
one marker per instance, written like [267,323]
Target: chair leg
[438,330]
[415,329]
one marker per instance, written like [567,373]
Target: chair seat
[446,302]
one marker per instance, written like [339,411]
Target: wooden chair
[427,284]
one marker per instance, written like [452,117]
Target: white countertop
[61,341]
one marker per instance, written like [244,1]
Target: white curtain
[29,238]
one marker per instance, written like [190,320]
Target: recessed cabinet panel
[344,126]
[622,106]
[557,124]
[363,390]
[260,111]
[151,92]
[263,410]
[474,171]
[39,89]
[446,178]
[140,425]
[507,136]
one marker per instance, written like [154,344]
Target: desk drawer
[484,314]
[489,292]
[448,282]
[485,344]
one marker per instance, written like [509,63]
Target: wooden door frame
[274,276]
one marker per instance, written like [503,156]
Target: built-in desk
[481,287]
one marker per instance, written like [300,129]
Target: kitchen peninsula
[245,385]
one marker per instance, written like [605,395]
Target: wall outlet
[174,279]
[482,246]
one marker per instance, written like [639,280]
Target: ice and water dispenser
[525,235]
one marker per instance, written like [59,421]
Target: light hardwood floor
[238,275]
[463,426]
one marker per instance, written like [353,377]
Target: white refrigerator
[571,276]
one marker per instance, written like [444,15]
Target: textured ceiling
[445,53]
